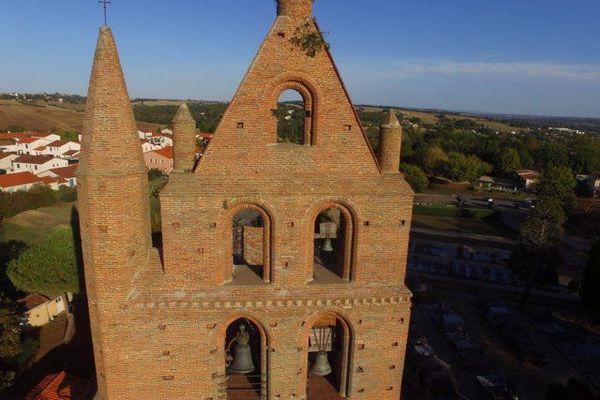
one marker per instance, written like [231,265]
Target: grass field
[34,225]
[48,117]
[431,118]
[484,226]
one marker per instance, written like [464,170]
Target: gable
[245,143]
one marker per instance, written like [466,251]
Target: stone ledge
[316,303]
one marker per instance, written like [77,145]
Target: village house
[593,183]
[147,146]
[6,160]
[8,145]
[527,178]
[41,310]
[62,386]
[59,148]
[37,164]
[25,181]
[26,145]
[498,184]
[161,159]
[67,174]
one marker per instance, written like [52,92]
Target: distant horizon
[510,57]
[400,107]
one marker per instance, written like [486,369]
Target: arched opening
[250,246]
[291,114]
[328,359]
[246,360]
[332,245]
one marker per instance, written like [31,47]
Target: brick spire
[390,142]
[297,9]
[184,139]
[109,139]
[112,187]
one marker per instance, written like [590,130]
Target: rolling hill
[48,117]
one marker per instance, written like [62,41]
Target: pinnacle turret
[391,120]
[109,139]
[390,143]
[183,114]
[184,139]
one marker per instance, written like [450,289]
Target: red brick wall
[159,329]
[253,245]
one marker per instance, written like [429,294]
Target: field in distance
[48,117]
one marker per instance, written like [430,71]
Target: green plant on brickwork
[308,38]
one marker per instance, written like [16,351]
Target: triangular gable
[245,143]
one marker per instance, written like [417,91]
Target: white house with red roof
[67,174]
[8,145]
[6,160]
[59,147]
[161,159]
[32,144]
[26,180]
[37,164]
[147,146]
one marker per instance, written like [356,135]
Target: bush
[415,177]
[13,203]
[49,268]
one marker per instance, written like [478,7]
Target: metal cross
[104,4]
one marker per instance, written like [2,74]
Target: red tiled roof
[31,159]
[50,179]
[61,386]
[40,148]
[66,172]
[18,179]
[18,135]
[57,143]
[34,300]
[70,152]
[28,139]
[166,152]
[4,155]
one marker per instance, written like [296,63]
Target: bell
[321,366]
[327,246]
[242,361]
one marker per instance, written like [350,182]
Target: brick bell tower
[284,257]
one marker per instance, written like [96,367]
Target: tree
[508,161]
[15,349]
[415,177]
[10,335]
[49,268]
[433,158]
[590,284]
[553,154]
[537,259]
[559,183]
[586,155]
[460,168]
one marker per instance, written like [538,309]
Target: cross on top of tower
[104,4]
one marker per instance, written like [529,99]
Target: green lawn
[34,225]
[484,226]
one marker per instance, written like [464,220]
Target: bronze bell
[327,246]
[321,366]
[242,360]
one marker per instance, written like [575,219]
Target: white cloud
[538,70]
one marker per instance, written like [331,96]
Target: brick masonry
[159,325]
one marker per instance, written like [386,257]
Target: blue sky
[504,56]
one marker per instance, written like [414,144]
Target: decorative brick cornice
[320,303]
